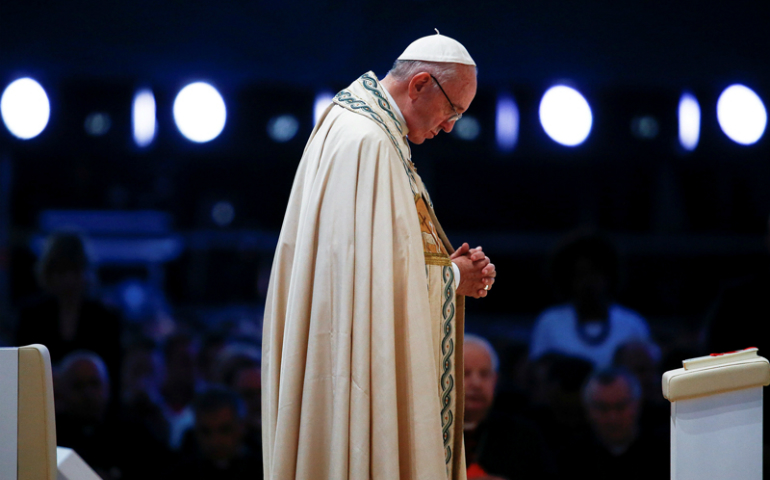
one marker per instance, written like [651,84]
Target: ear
[417,84]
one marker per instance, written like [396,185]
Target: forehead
[249,377]
[617,390]
[462,88]
[219,416]
[83,369]
[476,356]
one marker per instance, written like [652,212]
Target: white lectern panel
[717,437]
[72,467]
[9,411]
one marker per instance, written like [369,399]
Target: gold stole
[446,310]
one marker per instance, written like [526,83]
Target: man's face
[480,381]
[67,283]
[85,391]
[612,412]
[429,111]
[637,359]
[219,434]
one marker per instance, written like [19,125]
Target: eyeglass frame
[457,116]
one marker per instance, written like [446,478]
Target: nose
[447,125]
[471,381]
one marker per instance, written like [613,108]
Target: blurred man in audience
[497,445]
[141,401]
[113,447]
[219,451]
[239,369]
[66,317]
[179,385]
[643,359]
[555,405]
[618,447]
[211,345]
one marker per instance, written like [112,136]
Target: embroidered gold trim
[441,259]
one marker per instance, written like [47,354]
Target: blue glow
[134,296]
[199,112]
[467,128]
[322,100]
[741,114]
[25,108]
[565,115]
[506,123]
[283,128]
[143,118]
[645,127]
[689,121]
[98,124]
[223,213]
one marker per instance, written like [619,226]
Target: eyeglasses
[456,116]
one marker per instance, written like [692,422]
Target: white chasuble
[362,338]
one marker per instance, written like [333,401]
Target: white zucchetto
[437,48]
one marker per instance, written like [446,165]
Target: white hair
[403,70]
[71,359]
[471,339]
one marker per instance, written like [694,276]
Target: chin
[417,140]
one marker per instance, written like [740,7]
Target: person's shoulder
[627,316]
[626,313]
[556,313]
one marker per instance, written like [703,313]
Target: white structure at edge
[716,416]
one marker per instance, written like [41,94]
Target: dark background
[685,222]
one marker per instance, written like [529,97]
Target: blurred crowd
[582,396]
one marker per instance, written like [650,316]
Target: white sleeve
[457,274]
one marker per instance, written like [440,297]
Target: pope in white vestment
[362,340]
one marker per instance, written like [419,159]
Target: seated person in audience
[239,368]
[180,383]
[643,359]
[590,324]
[114,447]
[619,447]
[218,450]
[555,383]
[65,317]
[497,445]
[212,345]
[141,401]
[512,382]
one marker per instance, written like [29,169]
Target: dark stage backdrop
[684,222]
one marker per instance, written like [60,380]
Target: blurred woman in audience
[65,318]
[590,324]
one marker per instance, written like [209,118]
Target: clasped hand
[476,271]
